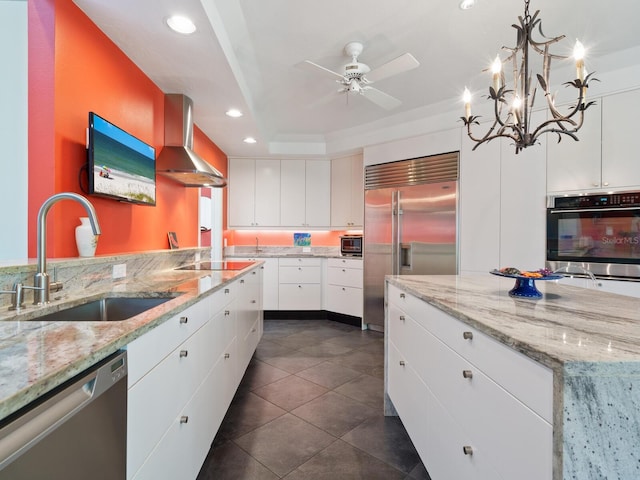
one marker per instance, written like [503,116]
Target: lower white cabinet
[474,408]
[185,374]
[300,283]
[344,286]
[269,281]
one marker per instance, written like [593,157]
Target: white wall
[13,129]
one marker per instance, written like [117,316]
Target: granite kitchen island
[514,388]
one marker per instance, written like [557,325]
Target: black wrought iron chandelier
[513,107]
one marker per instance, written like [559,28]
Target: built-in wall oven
[600,233]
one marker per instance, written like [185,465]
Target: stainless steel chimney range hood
[177,160]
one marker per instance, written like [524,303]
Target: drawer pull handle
[467,374]
[402,295]
[226,355]
[253,301]
[254,272]
[467,335]
[227,313]
[402,318]
[299,286]
[184,419]
[253,330]
[343,270]
[226,290]
[467,450]
[242,281]
[299,268]
[184,353]
[184,320]
[402,364]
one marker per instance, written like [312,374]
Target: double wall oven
[600,233]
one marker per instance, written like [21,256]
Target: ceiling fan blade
[308,62]
[400,64]
[381,99]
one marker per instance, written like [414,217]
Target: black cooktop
[225,265]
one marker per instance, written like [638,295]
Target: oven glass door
[594,236]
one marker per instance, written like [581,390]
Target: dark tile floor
[310,407]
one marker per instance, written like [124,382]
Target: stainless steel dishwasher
[77,431]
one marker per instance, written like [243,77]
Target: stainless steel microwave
[351,245]
[600,233]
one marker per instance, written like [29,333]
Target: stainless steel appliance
[351,245]
[78,431]
[410,225]
[599,233]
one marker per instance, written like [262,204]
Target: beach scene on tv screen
[123,165]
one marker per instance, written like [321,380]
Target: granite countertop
[37,356]
[569,324]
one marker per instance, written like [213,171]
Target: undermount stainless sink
[109,309]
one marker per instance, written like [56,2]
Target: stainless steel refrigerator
[410,225]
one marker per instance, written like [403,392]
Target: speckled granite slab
[591,341]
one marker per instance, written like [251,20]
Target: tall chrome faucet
[41,281]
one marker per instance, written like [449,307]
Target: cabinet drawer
[298,261]
[299,274]
[348,277]
[345,262]
[149,349]
[299,296]
[527,380]
[346,300]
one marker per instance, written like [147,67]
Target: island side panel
[600,421]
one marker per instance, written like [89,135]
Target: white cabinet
[305,193]
[183,375]
[254,192]
[474,408]
[619,165]
[344,286]
[347,192]
[604,156]
[269,281]
[300,283]
[575,165]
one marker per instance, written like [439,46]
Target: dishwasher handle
[28,429]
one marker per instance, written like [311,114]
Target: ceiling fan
[353,79]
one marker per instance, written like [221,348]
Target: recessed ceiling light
[181,24]
[467,4]
[233,112]
[249,140]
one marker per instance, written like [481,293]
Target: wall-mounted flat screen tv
[120,166]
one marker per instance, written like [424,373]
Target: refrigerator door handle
[405,256]
[396,232]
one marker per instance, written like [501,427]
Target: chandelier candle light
[513,107]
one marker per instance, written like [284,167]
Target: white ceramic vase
[86,241]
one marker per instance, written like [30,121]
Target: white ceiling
[247,54]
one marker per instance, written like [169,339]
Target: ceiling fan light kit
[357,77]
[513,107]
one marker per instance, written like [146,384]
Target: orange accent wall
[73,69]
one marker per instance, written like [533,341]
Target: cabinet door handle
[253,330]
[402,318]
[402,364]
[344,270]
[467,374]
[467,450]
[254,272]
[300,268]
[402,295]
[184,419]
[253,301]
[299,286]
[226,291]
[226,355]
[344,289]
[184,320]
[184,353]
[227,313]
[242,281]
[467,335]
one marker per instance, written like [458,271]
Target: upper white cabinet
[619,164]
[575,165]
[254,192]
[603,158]
[347,192]
[305,193]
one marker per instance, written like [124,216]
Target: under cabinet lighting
[181,24]
[233,112]
[467,4]
[249,140]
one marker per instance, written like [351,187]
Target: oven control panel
[615,200]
